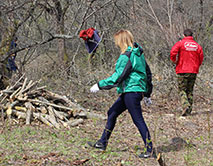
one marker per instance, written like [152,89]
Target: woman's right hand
[94,88]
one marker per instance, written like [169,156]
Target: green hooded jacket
[130,73]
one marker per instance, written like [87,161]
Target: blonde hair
[123,39]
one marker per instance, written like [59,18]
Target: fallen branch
[73,123]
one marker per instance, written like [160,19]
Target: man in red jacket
[188,61]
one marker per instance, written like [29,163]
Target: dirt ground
[181,141]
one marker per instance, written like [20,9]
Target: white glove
[94,88]
[147,101]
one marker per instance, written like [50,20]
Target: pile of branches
[25,100]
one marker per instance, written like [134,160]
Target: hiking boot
[97,145]
[186,112]
[147,154]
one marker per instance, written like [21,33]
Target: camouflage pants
[186,83]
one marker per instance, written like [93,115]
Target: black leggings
[130,101]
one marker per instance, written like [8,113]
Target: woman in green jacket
[130,79]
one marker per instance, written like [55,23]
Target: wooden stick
[43,118]
[9,108]
[40,88]
[29,113]
[7,91]
[3,99]
[22,88]
[14,93]
[42,109]
[60,115]
[21,98]
[9,111]
[73,123]
[50,104]
[41,98]
[19,114]
[1,94]
[30,86]
[52,117]
[37,89]
[19,108]
[64,124]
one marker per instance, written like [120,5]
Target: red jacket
[190,55]
[88,33]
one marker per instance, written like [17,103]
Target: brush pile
[26,101]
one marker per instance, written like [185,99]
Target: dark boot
[186,112]
[97,145]
[147,154]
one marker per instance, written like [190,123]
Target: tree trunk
[201,14]
[60,30]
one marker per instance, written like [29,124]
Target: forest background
[49,49]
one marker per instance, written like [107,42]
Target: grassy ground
[182,141]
